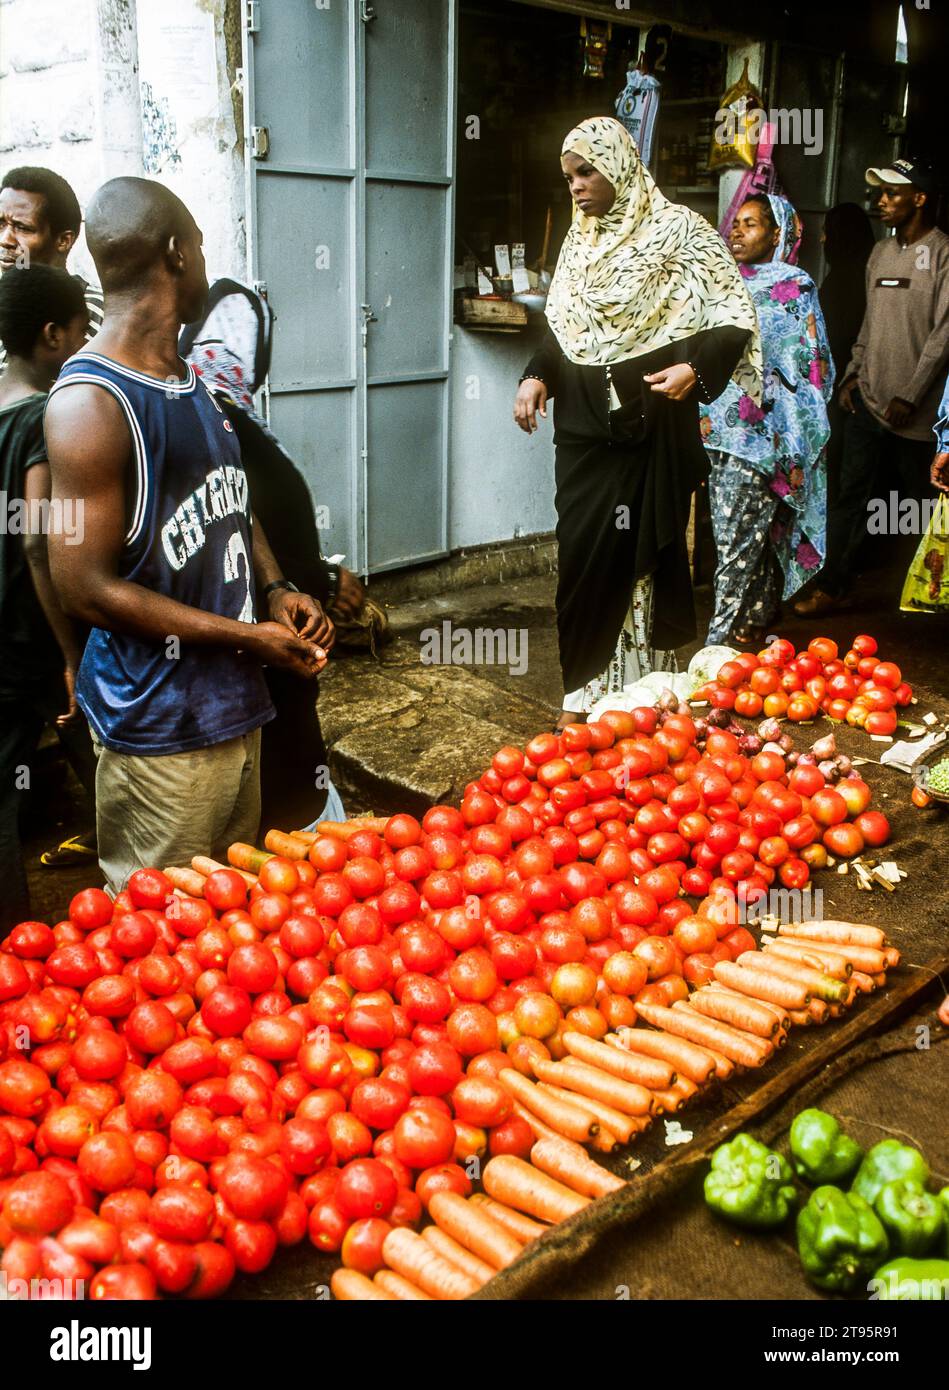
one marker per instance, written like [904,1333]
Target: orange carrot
[818,1010]
[868,958]
[829,960]
[445,1245]
[570,1164]
[473,1229]
[188,880]
[306,837]
[846,933]
[520,1185]
[346,829]
[287,846]
[746,1014]
[865,983]
[204,865]
[514,1222]
[684,1057]
[541,1131]
[821,985]
[780,1014]
[668,1100]
[879,980]
[350,1285]
[402,1289]
[594,1084]
[409,1255]
[800,1018]
[241,856]
[612,1122]
[685,1088]
[737,1047]
[892,957]
[567,1119]
[644,1071]
[761,984]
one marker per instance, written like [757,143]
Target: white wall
[501,481]
[190,135]
[71,75]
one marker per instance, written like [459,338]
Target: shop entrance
[349,124]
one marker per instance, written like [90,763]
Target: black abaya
[625,480]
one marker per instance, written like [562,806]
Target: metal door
[349,116]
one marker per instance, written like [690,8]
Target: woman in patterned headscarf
[768,485]
[647,315]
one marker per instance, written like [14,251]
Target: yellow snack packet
[735,137]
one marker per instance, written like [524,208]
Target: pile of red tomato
[778,682]
[187,1084]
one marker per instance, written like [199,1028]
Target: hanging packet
[926,589]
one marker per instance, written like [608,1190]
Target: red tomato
[327,1226]
[379,1103]
[658,955]
[366,1188]
[445,1177]
[874,827]
[424,1138]
[828,807]
[794,873]
[888,674]
[434,1069]
[881,722]
[481,1101]
[362,1245]
[823,649]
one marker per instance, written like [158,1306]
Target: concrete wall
[501,481]
[73,75]
[188,68]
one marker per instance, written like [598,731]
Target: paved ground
[405,734]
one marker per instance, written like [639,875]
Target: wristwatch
[281,584]
[333,576]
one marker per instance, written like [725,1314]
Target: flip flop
[78,849]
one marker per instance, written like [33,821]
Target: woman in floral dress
[768,484]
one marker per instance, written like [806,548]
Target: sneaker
[817,603]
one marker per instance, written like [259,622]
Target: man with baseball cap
[892,385]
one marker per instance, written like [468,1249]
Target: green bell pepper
[820,1151]
[886,1162]
[840,1239]
[911,1281]
[913,1218]
[750,1185]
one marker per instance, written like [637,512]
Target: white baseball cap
[904,171]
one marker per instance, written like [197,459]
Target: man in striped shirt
[39,225]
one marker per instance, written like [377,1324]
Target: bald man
[171,564]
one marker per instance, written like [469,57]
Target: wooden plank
[643,1193]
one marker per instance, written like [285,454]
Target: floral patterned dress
[768,485]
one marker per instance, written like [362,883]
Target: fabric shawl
[784,437]
[646,274]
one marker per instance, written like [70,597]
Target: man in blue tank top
[171,561]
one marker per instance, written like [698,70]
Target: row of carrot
[472,1238]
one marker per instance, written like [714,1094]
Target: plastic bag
[707,663]
[734,145]
[926,589]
